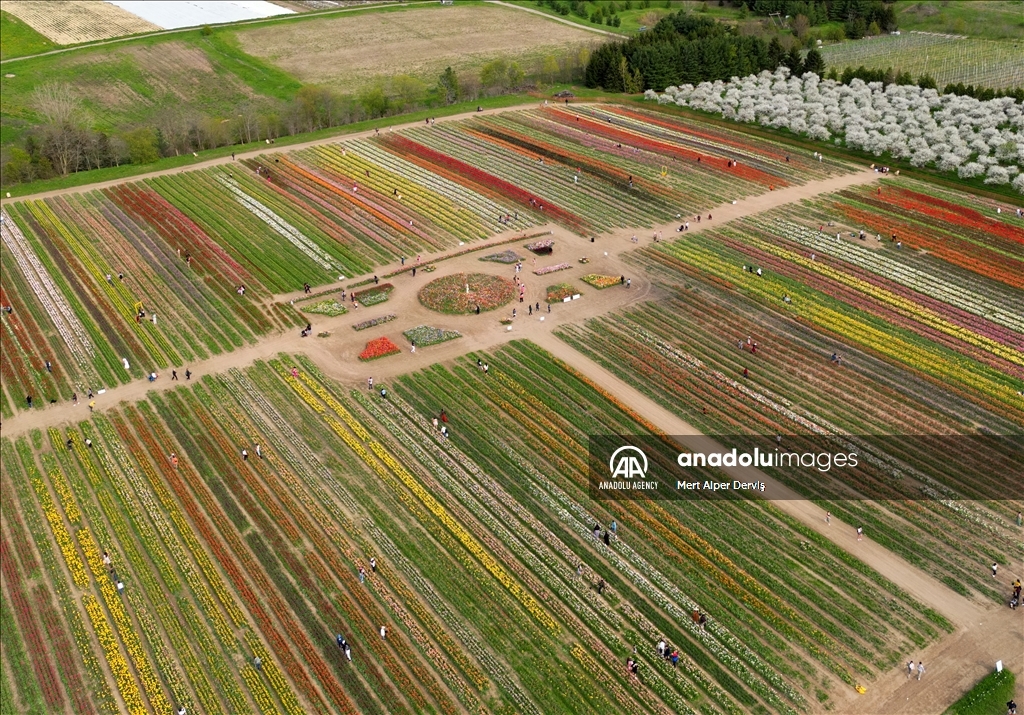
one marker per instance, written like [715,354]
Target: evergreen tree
[776,54]
[448,85]
[814,63]
[794,62]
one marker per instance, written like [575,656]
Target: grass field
[136,83]
[348,52]
[983,19]
[990,695]
[986,63]
[19,39]
[637,16]
[189,74]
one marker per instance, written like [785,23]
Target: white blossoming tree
[951,132]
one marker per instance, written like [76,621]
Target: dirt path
[613,35]
[338,354]
[236,24]
[983,634]
[220,161]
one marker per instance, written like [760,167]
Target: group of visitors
[668,653]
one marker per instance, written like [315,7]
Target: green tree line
[64,140]
[687,48]
[683,48]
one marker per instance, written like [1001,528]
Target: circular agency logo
[628,466]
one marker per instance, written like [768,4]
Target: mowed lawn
[345,52]
[19,39]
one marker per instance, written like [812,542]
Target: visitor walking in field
[995,568]
[920,669]
[910,669]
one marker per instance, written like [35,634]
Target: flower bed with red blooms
[448,293]
[479,180]
[954,249]
[956,215]
[378,348]
[657,146]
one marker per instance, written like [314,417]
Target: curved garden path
[983,633]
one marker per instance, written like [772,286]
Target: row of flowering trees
[950,132]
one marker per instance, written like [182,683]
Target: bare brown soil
[72,21]
[345,52]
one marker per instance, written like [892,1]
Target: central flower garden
[448,294]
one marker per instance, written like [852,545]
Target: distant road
[559,19]
[259,21]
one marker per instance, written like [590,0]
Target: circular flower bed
[448,293]
[378,348]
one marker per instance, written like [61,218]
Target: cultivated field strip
[71,22]
[261,555]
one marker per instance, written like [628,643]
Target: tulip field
[851,336]
[207,251]
[225,559]
[204,544]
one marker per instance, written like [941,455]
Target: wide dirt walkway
[252,153]
[983,634]
[338,354]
